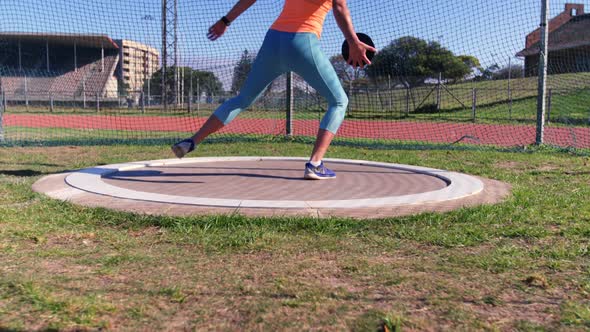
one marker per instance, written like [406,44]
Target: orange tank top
[303,16]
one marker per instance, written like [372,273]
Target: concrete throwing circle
[253,185]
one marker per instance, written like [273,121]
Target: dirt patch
[511,165]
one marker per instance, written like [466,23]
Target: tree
[488,72]
[412,60]
[207,82]
[495,72]
[471,62]
[241,71]
[514,71]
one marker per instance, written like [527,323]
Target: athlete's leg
[322,143]
[313,65]
[265,69]
[212,125]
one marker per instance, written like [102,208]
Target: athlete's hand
[358,54]
[216,30]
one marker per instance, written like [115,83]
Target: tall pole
[198,96]
[542,84]
[190,93]
[169,51]
[20,57]
[175,38]
[164,92]
[149,78]
[509,87]
[84,93]
[390,93]
[2,110]
[47,53]
[26,93]
[75,57]
[438,91]
[181,82]
[289,115]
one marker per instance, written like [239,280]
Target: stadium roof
[85,40]
[573,34]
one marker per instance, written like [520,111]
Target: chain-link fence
[464,73]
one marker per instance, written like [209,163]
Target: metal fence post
[26,93]
[97,103]
[407,101]
[50,102]
[509,88]
[289,115]
[84,94]
[2,109]
[390,92]
[549,101]
[5,101]
[190,102]
[473,103]
[542,84]
[142,101]
[198,97]
[438,96]
[190,95]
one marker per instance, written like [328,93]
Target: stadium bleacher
[91,73]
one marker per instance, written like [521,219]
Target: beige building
[138,62]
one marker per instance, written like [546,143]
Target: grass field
[569,103]
[519,265]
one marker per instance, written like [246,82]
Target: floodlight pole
[175,43]
[169,49]
[542,84]
[163,93]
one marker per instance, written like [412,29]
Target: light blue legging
[298,52]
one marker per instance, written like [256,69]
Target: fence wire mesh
[447,72]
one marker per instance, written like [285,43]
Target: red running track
[500,135]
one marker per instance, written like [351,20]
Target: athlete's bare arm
[358,49]
[217,29]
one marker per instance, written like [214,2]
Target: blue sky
[493,31]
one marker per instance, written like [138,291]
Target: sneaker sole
[311,176]
[178,151]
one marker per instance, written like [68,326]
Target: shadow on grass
[30,164]
[21,173]
[7,329]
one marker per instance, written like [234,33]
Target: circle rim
[458,186]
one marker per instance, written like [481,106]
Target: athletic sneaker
[183,147]
[318,173]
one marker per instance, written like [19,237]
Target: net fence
[447,73]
